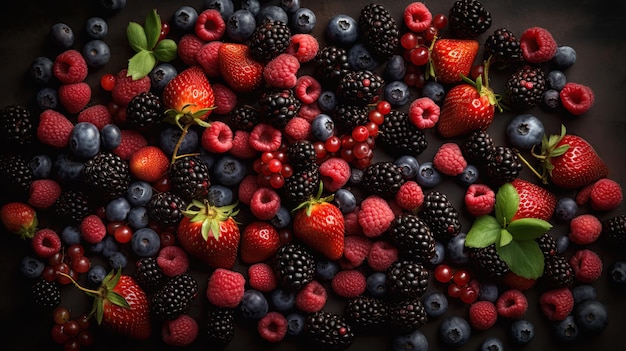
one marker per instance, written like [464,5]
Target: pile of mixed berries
[237,144]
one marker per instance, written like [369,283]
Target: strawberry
[259,241]
[240,71]
[534,200]
[320,224]
[210,234]
[19,218]
[149,163]
[189,97]
[452,58]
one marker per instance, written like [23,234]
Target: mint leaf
[524,258]
[136,37]
[528,228]
[141,64]
[153,29]
[484,232]
[505,237]
[165,50]
[507,203]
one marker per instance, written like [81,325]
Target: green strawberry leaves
[514,240]
[210,216]
[149,49]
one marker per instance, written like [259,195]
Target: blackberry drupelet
[477,147]
[149,275]
[558,272]
[220,324]
[279,106]
[46,294]
[166,208]
[301,154]
[144,110]
[487,262]
[302,185]
[398,136]
[406,279]
[16,126]
[407,315]
[294,266]
[413,237]
[442,218]
[383,178]
[269,39]
[614,231]
[72,206]
[366,313]
[328,331]
[175,297]
[245,117]
[190,177]
[379,30]
[525,88]
[360,88]
[331,64]
[348,116]
[107,174]
[504,48]
[547,244]
[15,173]
[503,165]
[469,18]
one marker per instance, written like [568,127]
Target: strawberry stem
[180,142]
[532,169]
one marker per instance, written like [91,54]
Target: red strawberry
[453,58]
[320,224]
[189,97]
[19,218]
[240,71]
[534,200]
[210,234]
[259,241]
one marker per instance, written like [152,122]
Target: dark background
[594,29]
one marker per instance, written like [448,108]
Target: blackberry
[301,154]
[175,297]
[398,136]
[413,237]
[149,274]
[442,218]
[331,64]
[190,177]
[328,331]
[279,106]
[144,110]
[469,18]
[379,30]
[245,117]
[383,178]
[477,147]
[46,294]
[547,244]
[361,87]
[220,325]
[406,279]
[487,261]
[407,315]
[294,266]
[525,88]
[302,184]
[348,116]
[15,173]
[614,231]
[503,165]
[166,208]
[558,272]
[269,39]
[504,48]
[72,206]
[16,126]
[366,313]
[107,174]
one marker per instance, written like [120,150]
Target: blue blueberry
[110,136]
[139,193]
[229,170]
[440,254]
[138,217]
[583,293]
[566,330]
[303,20]
[253,305]
[170,136]
[522,331]
[283,300]
[240,25]
[295,323]
[282,218]
[327,101]
[96,53]
[488,292]
[161,74]
[566,209]
[617,275]
[207,157]
[427,175]
[556,80]
[435,304]
[591,316]
[225,7]
[41,166]
[322,127]
[116,210]
[360,58]
[434,90]
[397,93]
[96,275]
[219,195]
[70,235]
[62,35]
[109,246]
[326,269]
[184,19]
[41,70]
[118,260]
[408,165]
[525,131]
[456,251]
[68,168]
[47,98]
[96,27]
[342,30]
[454,331]
[395,68]
[492,344]
[113,4]
[356,176]
[376,284]
[564,57]
[413,341]
[345,200]
[84,140]
[551,100]
[290,6]
[31,267]
[253,6]
[562,243]
[469,176]
[272,13]
[145,242]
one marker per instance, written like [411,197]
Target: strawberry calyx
[187,116]
[210,216]
[550,148]
[482,86]
[314,200]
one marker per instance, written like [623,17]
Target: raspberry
[218,138]
[449,159]
[74,96]
[225,288]
[515,281]
[54,129]
[382,254]
[537,45]
[264,137]
[351,223]
[98,115]
[480,200]
[126,88]
[188,47]
[70,67]
[355,251]
[273,326]
[375,216]
[585,229]
[43,193]
[281,72]
[303,47]
[92,229]
[132,140]
[576,98]
[410,196]
[298,128]
[46,242]
[482,315]
[181,331]
[583,195]
[417,17]
[247,187]
[309,111]
[173,260]
[210,25]
[424,113]
[261,277]
[225,98]
[348,283]
[512,304]
[557,304]
[312,297]
[335,173]
[265,203]
[606,194]
[207,57]
[308,89]
[241,147]
[587,265]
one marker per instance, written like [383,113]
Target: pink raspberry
[272,327]
[264,137]
[417,17]
[512,304]
[54,129]
[348,283]
[181,331]
[241,147]
[265,203]
[410,196]
[218,138]
[304,47]
[583,195]
[312,297]
[126,88]
[482,315]
[261,277]
[606,195]
[297,128]
[188,47]
[395,208]
[132,140]
[309,111]
[557,304]
[382,254]
[480,200]
[355,251]
[351,223]
[585,229]
[308,89]
[375,216]
[74,96]
[449,159]
[518,282]
[173,260]
[207,57]
[46,243]
[335,173]
[281,72]
[210,25]
[424,112]
[587,266]
[537,45]
[92,229]
[247,187]
[98,115]
[43,193]
[225,98]
[225,288]
[576,98]
[70,67]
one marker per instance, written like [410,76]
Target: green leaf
[559,150]
[505,237]
[117,299]
[528,228]
[99,310]
[141,64]
[206,228]
[153,28]
[166,50]
[137,37]
[484,232]
[524,258]
[507,203]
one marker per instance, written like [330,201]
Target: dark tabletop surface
[594,29]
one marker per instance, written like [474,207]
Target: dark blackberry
[406,279]
[487,262]
[269,39]
[149,274]
[220,324]
[294,266]
[301,154]
[46,294]
[144,110]
[328,331]
[469,18]
[504,48]
[442,218]
[348,116]
[407,315]
[166,208]
[190,177]
[547,244]
[558,272]
[16,126]
[525,88]
[383,178]
[398,136]
[614,231]
[477,147]
[503,165]
[302,184]
[175,297]
[361,87]
[245,117]
[331,64]
[413,237]
[379,30]
[279,106]
[107,174]
[366,313]
[15,173]
[72,206]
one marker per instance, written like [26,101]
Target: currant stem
[80,287]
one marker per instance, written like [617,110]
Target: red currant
[274,165]
[420,55]
[58,335]
[60,315]
[81,264]
[461,277]
[277,181]
[440,21]
[167,238]
[360,150]
[320,150]
[165,30]
[376,117]
[123,234]
[286,171]
[409,40]
[383,107]
[443,273]
[333,144]
[360,133]
[75,250]
[468,294]
[372,130]
[477,71]
[454,290]
[431,33]
[107,82]
[85,338]
[347,154]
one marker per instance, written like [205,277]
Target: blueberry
[225,7]
[96,27]
[488,292]
[551,100]
[138,217]
[62,35]
[290,6]
[356,176]
[84,140]
[583,292]
[96,53]
[427,175]
[118,260]
[184,19]
[253,6]
[408,165]
[591,316]
[207,157]
[556,80]
[454,331]
[117,209]
[96,275]
[272,13]
[345,200]
[434,90]
[240,25]
[327,101]
[41,166]
[219,195]
[31,267]
[492,344]
[360,58]
[110,136]
[413,341]
[229,170]
[522,331]
[435,304]
[282,218]
[397,93]
[145,242]
[47,98]
[322,127]
[109,246]
[564,57]
[41,70]
[566,330]
[562,243]
[440,254]
[565,209]
[303,20]
[253,305]
[68,169]
[395,68]
[169,137]
[342,30]
[161,74]
[376,284]
[456,251]
[617,275]
[70,235]
[139,193]
[283,300]
[469,176]
[295,323]
[326,269]
[113,4]
[525,131]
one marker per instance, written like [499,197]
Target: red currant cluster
[71,333]
[460,283]
[272,168]
[417,48]
[71,262]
